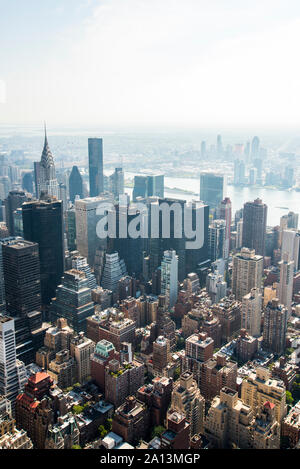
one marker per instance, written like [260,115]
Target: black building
[75,184]
[43,224]
[254,226]
[14,200]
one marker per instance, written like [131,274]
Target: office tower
[27,182]
[156,185]
[219,145]
[111,326]
[18,222]
[21,270]
[73,300]
[292,220]
[114,269]
[161,354]
[122,380]
[291,245]
[12,370]
[45,175]
[13,201]
[212,189]
[254,226]
[259,387]
[169,277]
[252,311]
[80,263]
[71,229]
[285,285]
[81,349]
[64,434]
[96,166]
[187,399]
[75,184]
[246,272]
[216,287]
[239,237]
[86,227]
[148,186]
[216,239]
[255,148]
[239,172]
[203,149]
[43,224]
[275,326]
[225,214]
[62,195]
[116,181]
[33,408]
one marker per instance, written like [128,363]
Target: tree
[77,409]
[157,431]
[289,398]
[76,447]
[102,431]
[176,373]
[108,425]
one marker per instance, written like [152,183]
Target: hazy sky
[187,62]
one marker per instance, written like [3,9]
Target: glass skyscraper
[96,166]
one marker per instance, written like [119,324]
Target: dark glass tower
[43,224]
[96,166]
[212,188]
[75,184]
[254,226]
[21,269]
[73,300]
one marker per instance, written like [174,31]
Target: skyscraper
[12,371]
[169,277]
[45,175]
[117,183]
[148,186]
[254,226]
[75,184]
[13,201]
[73,300]
[21,268]
[216,239]
[225,214]
[255,148]
[96,166]
[251,312]
[275,326]
[285,285]
[212,188]
[246,272]
[43,224]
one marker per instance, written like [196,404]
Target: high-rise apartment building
[225,214]
[290,246]
[169,277]
[10,437]
[43,224]
[161,354]
[254,226]
[246,272]
[96,166]
[12,371]
[259,387]
[285,285]
[252,312]
[187,399]
[275,327]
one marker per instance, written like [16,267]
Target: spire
[47,158]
